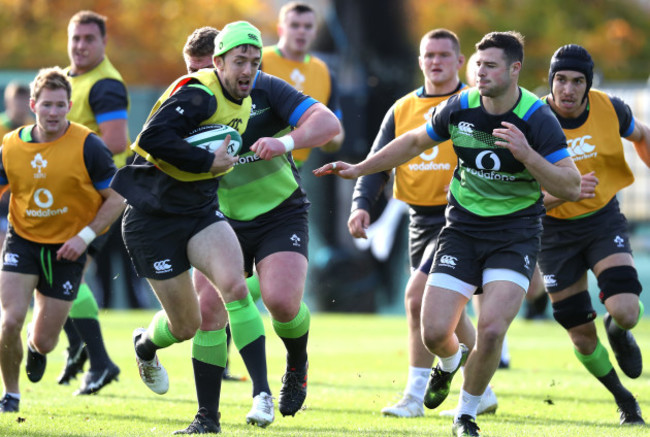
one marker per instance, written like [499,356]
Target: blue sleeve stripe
[114,115]
[339,114]
[532,109]
[103,184]
[432,133]
[464,100]
[558,155]
[629,130]
[3,181]
[297,113]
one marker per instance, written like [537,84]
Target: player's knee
[574,311]
[281,308]
[233,288]
[490,335]
[433,338]
[44,344]
[12,324]
[624,319]
[187,330]
[617,280]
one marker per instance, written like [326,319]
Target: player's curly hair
[201,42]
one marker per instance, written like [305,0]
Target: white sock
[449,364]
[417,382]
[467,404]
[13,395]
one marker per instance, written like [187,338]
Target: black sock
[71,332]
[613,384]
[296,351]
[207,380]
[91,333]
[145,348]
[254,356]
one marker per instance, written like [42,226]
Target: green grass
[358,365]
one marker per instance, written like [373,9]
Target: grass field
[357,366]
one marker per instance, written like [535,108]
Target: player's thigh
[215,251]
[500,304]
[441,310]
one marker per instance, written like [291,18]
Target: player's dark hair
[511,42]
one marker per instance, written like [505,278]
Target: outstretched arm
[397,152]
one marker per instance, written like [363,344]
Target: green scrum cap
[236,34]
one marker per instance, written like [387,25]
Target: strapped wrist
[87,234]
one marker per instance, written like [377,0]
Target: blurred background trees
[146,36]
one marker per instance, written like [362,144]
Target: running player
[592,234]
[491,237]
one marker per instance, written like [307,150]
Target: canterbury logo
[11,259]
[580,146]
[162,266]
[466,128]
[448,260]
[253,37]
[235,122]
[550,281]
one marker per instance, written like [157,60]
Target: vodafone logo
[488,160]
[430,155]
[43,198]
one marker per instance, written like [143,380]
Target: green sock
[246,323]
[158,331]
[253,284]
[297,327]
[597,363]
[85,305]
[210,347]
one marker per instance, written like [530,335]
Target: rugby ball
[210,137]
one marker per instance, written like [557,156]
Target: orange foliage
[145,37]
